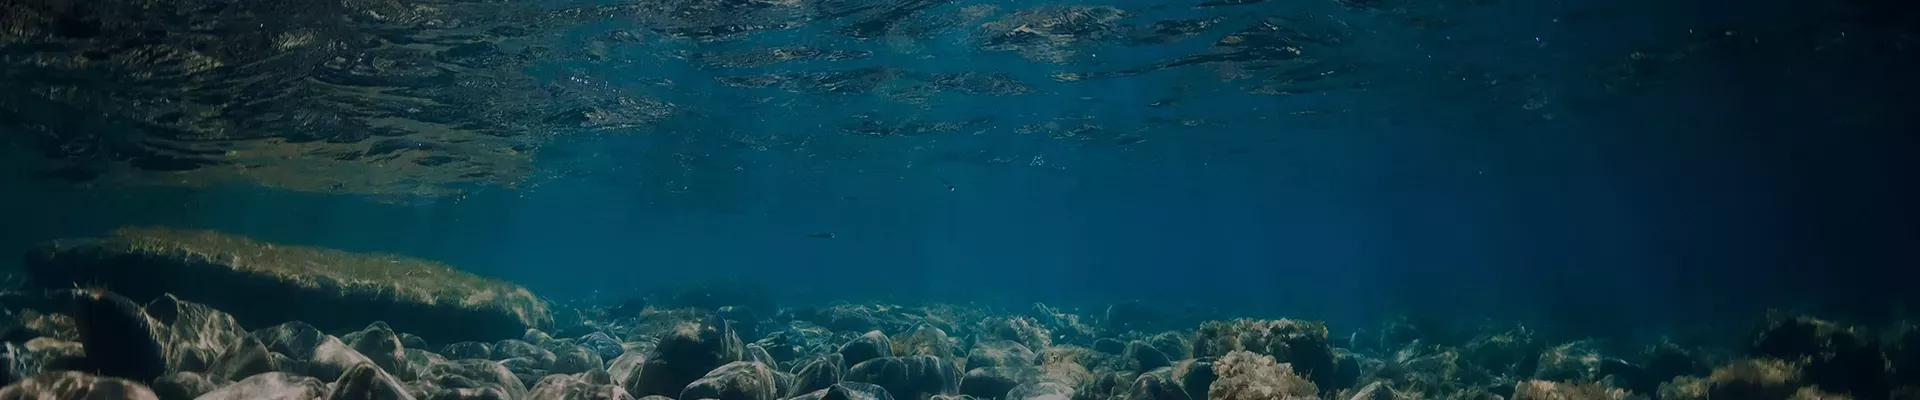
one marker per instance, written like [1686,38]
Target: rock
[379,343]
[685,355]
[755,353]
[1301,344]
[740,380]
[1000,353]
[1025,330]
[603,344]
[908,377]
[196,334]
[35,324]
[333,358]
[367,382]
[475,376]
[264,283]
[1512,352]
[1156,385]
[183,386]
[1196,376]
[48,355]
[282,363]
[1109,346]
[271,386]
[1683,388]
[817,373]
[576,359]
[924,340]
[568,387]
[536,336]
[1111,384]
[1175,344]
[868,346]
[420,360]
[525,370]
[994,382]
[1754,379]
[1840,360]
[847,391]
[511,348]
[952,397]
[295,339]
[1245,375]
[626,369]
[1042,390]
[72,385]
[243,358]
[781,345]
[468,350]
[410,341]
[1549,390]
[121,340]
[1141,357]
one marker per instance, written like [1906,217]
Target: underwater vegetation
[372,326]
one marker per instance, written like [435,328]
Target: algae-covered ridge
[399,277]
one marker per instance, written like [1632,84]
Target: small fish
[821,235]
[949,184]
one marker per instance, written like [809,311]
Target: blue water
[1740,178]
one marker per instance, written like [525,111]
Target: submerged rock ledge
[265,283]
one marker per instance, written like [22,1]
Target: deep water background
[1739,179]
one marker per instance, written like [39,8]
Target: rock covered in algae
[1303,344]
[264,283]
[1244,375]
[1837,358]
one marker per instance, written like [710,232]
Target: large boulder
[264,283]
[909,377]
[685,354]
[995,382]
[868,346]
[925,340]
[816,373]
[1839,359]
[120,339]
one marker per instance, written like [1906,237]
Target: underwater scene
[960,199]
